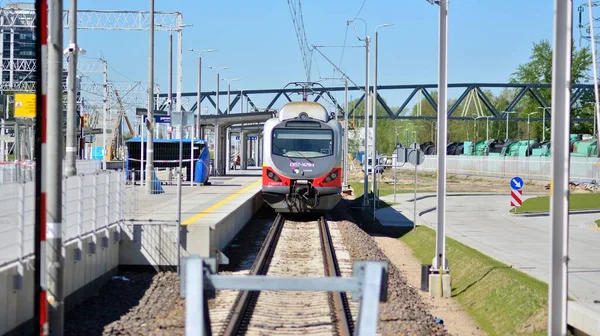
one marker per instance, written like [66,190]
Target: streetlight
[199,94]
[218,144]
[229,89]
[374,107]
[480,117]
[170,94]
[440,273]
[528,131]
[487,126]
[544,122]
[507,113]
[366,161]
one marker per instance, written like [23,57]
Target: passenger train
[302,159]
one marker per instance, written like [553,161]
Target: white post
[192,156]
[142,179]
[595,71]
[440,263]
[559,199]
[366,141]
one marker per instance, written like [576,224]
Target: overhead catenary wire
[298,21]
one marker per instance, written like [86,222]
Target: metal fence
[90,203]
[583,169]
[151,214]
[24,170]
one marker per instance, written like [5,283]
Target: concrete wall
[82,278]
[147,244]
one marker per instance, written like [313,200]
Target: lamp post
[440,273]
[480,117]
[487,128]
[199,94]
[544,122]
[71,52]
[507,113]
[218,144]
[374,109]
[170,92]
[228,90]
[366,39]
[528,131]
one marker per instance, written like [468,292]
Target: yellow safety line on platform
[218,204]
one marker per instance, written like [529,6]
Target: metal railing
[91,203]
[199,281]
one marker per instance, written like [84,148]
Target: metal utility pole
[374,107]
[218,144]
[507,115]
[105,113]
[345,172]
[528,129]
[543,122]
[40,315]
[199,98]
[559,199]
[170,94]
[54,173]
[71,150]
[366,160]
[199,93]
[595,68]
[228,93]
[440,263]
[150,113]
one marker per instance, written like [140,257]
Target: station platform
[211,216]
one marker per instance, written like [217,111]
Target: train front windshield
[302,143]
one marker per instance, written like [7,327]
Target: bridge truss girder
[477,89]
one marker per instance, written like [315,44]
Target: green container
[585,148]
[481,148]
[468,149]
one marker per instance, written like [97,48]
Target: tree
[539,70]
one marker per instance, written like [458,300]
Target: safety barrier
[24,170]
[90,203]
[150,219]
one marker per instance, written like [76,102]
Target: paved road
[483,222]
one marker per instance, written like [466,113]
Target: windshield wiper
[282,152]
[304,156]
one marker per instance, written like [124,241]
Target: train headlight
[272,176]
[332,176]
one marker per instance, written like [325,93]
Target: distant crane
[114,144]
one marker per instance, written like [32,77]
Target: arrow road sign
[516,183]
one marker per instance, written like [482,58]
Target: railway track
[293,248]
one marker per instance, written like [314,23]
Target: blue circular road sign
[516,183]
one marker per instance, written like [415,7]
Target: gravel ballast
[150,304]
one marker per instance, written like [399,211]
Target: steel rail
[332,269]
[259,267]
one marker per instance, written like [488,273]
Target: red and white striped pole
[40,301]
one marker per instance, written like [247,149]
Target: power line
[346,32]
[361,7]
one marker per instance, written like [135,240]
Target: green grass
[502,300]
[576,202]
[598,223]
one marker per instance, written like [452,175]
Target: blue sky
[256,39]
